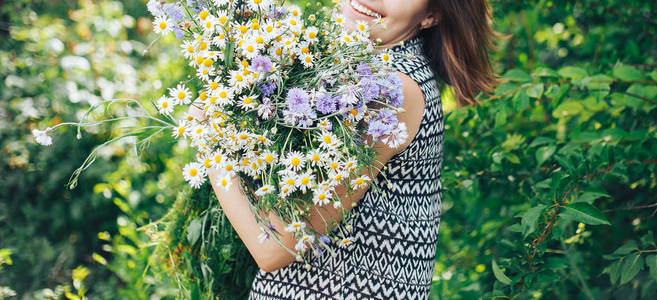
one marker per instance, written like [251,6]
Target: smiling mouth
[361,9]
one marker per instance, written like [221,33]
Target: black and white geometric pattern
[395,231]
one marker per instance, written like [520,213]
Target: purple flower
[267,88]
[324,239]
[261,64]
[174,12]
[319,249]
[369,89]
[326,104]
[270,226]
[394,90]
[378,129]
[297,101]
[180,35]
[387,117]
[196,5]
[364,69]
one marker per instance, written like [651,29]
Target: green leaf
[632,265]
[544,153]
[530,219]
[194,231]
[535,90]
[585,213]
[590,197]
[517,75]
[573,72]
[651,262]
[568,109]
[614,271]
[626,248]
[545,72]
[627,73]
[541,140]
[500,275]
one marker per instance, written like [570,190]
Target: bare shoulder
[413,106]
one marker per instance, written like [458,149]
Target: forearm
[269,255]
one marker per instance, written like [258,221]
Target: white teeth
[364,10]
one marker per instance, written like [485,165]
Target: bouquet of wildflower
[293,104]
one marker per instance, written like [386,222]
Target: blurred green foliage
[549,185]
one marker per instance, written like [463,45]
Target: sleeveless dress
[394,231]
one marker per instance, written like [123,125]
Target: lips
[364,10]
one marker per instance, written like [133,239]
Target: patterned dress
[394,232]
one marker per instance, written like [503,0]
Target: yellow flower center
[327,139]
[181,95]
[290,182]
[193,172]
[229,167]
[165,104]
[295,161]
[163,25]
[316,157]
[305,180]
[247,100]
[269,158]
[334,166]
[359,181]
[243,29]
[321,197]
[207,62]
[204,14]
[214,85]
[312,35]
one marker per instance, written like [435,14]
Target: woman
[394,231]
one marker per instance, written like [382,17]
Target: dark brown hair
[458,46]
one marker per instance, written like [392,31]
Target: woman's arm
[270,256]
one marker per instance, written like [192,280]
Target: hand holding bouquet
[292,103]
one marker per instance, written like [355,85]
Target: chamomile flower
[360,182]
[205,73]
[269,157]
[199,132]
[165,105]
[229,166]
[181,94]
[288,184]
[220,3]
[306,238]
[188,49]
[209,25]
[162,25]
[328,140]
[247,102]
[181,130]
[295,226]
[345,242]
[216,158]
[305,180]
[336,177]
[311,33]
[338,19]
[237,80]
[294,160]
[315,157]
[321,196]
[351,164]
[224,95]
[194,173]
[361,26]
[264,190]
[258,4]
[224,180]
[250,48]
[307,60]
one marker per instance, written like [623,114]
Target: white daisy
[194,173]
[321,196]
[328,140]
[305,180]
[315,157]
[162,25]
[188,49]
[310,34]
[224,180]
[345,242]
[295,226]
[181,130]
[165,105]
[264,190]
[294,160]
[224,95]
[247,102]
[288,184]
[360,182]
[209,25]
[181,94]
[307,60]
[269,157]
[237,80]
